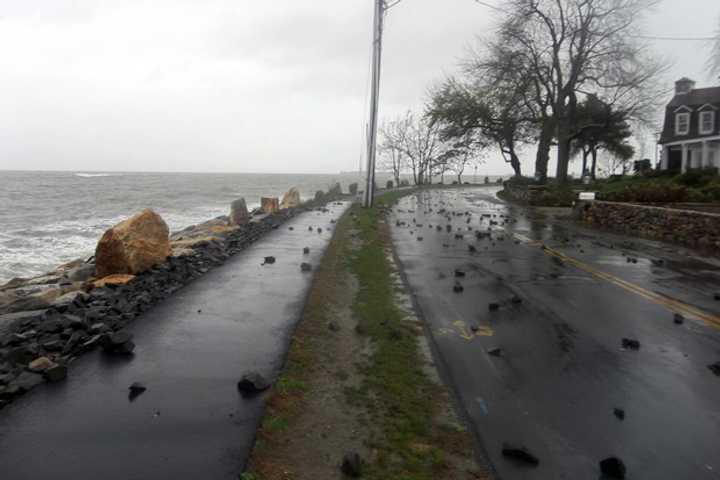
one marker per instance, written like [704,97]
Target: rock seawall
[684,227]
[52,319]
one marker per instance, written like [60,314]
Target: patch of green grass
[275,423]
[289,385]
[395,380]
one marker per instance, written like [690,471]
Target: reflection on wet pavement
[559,367]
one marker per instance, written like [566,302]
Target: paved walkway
[191,423]
[562,369]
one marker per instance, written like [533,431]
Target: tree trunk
[515,162]
[594,163]
[584,164]
[543,151]
[563,113]
[563,156]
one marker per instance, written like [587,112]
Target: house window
[707,122]
[682,123]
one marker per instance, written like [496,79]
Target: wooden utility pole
[380,8]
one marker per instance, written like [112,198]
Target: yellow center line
[671,304]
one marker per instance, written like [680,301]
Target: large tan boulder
[291,199]
[269,204]
[239,214]
[133,246]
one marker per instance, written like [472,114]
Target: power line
[681,39]
[489,5]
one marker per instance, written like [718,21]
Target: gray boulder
[239,213]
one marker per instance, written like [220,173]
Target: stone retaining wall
[54,331]
[527,194]
[684,227]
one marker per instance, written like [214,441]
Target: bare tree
[392,157]
[713,63]
[417,140]
[462,154]
[576,47]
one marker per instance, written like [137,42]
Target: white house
[691,132]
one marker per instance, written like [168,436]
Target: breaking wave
[92,175]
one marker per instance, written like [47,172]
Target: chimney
[684,86]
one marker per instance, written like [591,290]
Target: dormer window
[707,122]
[682,123]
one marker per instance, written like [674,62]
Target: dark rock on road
[135,390]
[352,465]
[613,467]
[519,454]
[630,344]
[118,342]
[253,382]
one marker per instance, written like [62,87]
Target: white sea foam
[92,175]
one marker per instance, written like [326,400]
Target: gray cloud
[238,85]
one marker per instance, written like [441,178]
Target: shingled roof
[697,97]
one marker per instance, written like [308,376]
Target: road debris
[520,454]
[678,319]
[619,413]
[252,382]
[135,390]
[458,288]
[630,344]
[352,465]
[715,368]
[613,467]
[493,306]
[495,352]
[268,261]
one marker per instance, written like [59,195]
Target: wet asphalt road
[563,370]
[192,349]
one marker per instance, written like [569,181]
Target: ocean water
[48,218]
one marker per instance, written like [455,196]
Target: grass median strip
[357,378]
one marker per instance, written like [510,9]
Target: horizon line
[349,172]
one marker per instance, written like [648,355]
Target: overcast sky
[238,85]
